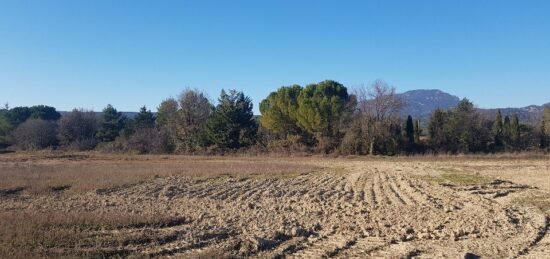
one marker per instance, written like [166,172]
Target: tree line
[317,118]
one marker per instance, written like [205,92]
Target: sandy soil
[351,208]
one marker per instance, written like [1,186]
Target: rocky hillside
[421,103]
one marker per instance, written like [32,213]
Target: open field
[92,205]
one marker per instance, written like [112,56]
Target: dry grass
[539,200]
[80,234]
[457,179]
[77,173]
[85,233]
[68,220]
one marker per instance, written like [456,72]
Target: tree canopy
[232,123]
[280,111]
[111,124]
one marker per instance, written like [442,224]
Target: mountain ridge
[421,103]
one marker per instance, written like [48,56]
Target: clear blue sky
[88,53]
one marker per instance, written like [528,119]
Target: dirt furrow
[326,246]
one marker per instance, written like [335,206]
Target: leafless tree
[378,108]
[77,130]
[379,101]
[35,134]
[148,140]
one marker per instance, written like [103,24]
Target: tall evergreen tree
[545,129]
[498,131]
[515,133]
[417,132]
[5,128]
[409,134]
[110,125]
[437,130]
[232,123]
[144,119]
[543,137]
[506,132]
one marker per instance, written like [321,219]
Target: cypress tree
[543,137]
[498,130]
[409,134]
[506,132]
[515,132]
[417,132]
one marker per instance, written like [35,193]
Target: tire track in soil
[326,246]
[360,213]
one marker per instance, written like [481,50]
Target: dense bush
[148,140]
[77,130]
[35,134]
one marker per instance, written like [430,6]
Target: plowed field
[313,208]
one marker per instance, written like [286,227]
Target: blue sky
[89,53]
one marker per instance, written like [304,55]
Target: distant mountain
[129,115]
[528,114]
[421,103]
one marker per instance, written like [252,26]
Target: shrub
[77,130]
[149,140]
[35,134]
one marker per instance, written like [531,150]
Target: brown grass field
[90,205]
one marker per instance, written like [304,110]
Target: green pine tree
[323,108]
[498,131]
[515,133]
[409,134]
[111,124]
[144,119]
[232,123]
[280,110]
[506,132]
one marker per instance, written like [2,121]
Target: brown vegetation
[72,205]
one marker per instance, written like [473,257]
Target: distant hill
[130,115]
[421,103]
[529,114]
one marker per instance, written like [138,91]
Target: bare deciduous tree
[77,130]
[378,108]
[35,134]
[380,101]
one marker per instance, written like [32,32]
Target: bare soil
[273,207]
